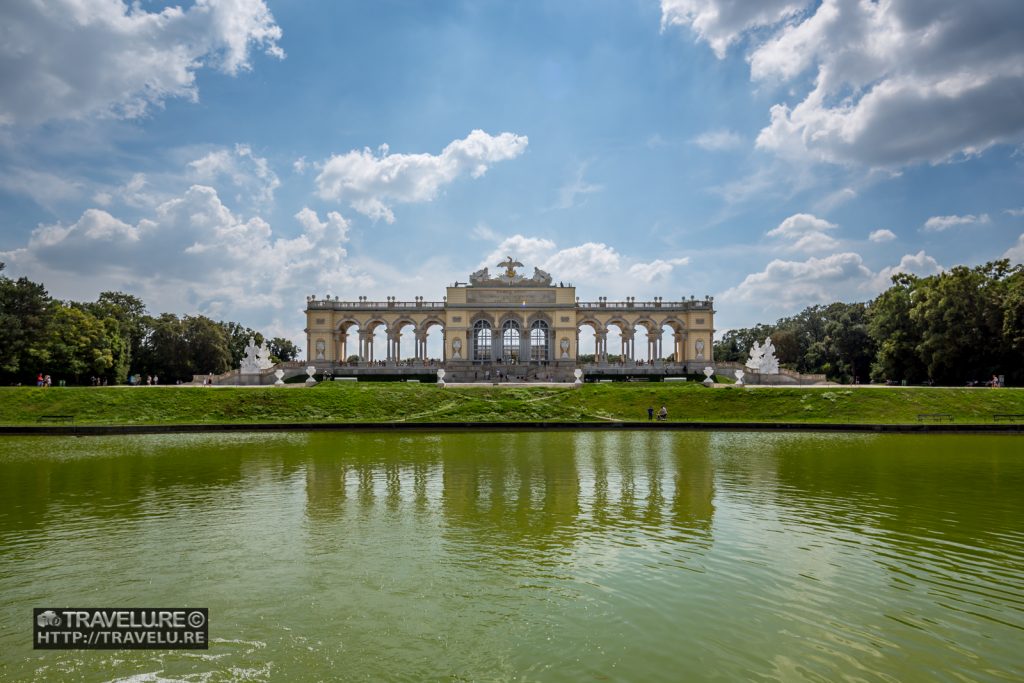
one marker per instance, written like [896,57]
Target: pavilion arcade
[528,325]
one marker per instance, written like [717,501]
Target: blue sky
[232,157]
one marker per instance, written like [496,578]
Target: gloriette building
[525,326]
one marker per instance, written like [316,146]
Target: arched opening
[372,341]
[431,345]
[589,340]
[674,339]
[619,342]
[645,338]
[482,336]
[510,341]
[540,341]
[346,342]
[396,332]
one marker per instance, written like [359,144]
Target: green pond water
[550,556]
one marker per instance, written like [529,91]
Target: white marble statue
[769,363]
[256,358]
[756,356]
[762,358]
[540,277]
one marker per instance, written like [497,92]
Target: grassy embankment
[396,402]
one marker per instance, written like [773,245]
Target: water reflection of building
[526,491]
[525,487]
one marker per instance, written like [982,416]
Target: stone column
[495,343]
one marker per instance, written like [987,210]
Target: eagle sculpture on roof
[510,265]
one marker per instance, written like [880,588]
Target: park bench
[936,417]
[56,418]
[1013,417]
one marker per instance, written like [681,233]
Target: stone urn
[311,370]
[739,377]
[279,374]
[440,377]
[708,371]
[579,376]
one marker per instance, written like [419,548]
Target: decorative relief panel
[510,296]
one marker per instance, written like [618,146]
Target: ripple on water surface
[640,556]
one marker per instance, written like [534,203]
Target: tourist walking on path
[663,414]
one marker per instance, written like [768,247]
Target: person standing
[650,413]
[663,414]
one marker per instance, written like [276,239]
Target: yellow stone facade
[509,320]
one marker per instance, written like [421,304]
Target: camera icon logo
[48,618]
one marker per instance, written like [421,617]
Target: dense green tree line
[960,326]
[113,338]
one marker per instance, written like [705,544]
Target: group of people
[662,414]
[44,380]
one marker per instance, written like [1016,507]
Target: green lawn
[391,402]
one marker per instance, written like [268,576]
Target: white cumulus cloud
[891,83]
[721,22]
[717,140]
[942,223]
[882,235]
[793,285]
[658,268]
[193,253]
[249,173]
[69,59]
[372,182]
[920,264]
[1016,252]
[805,232]
[595,266]
[785,287]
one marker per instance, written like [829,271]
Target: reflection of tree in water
[125,477]
[945,499]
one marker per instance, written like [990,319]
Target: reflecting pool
[644,556]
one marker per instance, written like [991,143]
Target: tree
[238,336]
[164,351]
[24,321]
[283,350]
[896,334]
[207,345]
[80,344]
[960,316]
